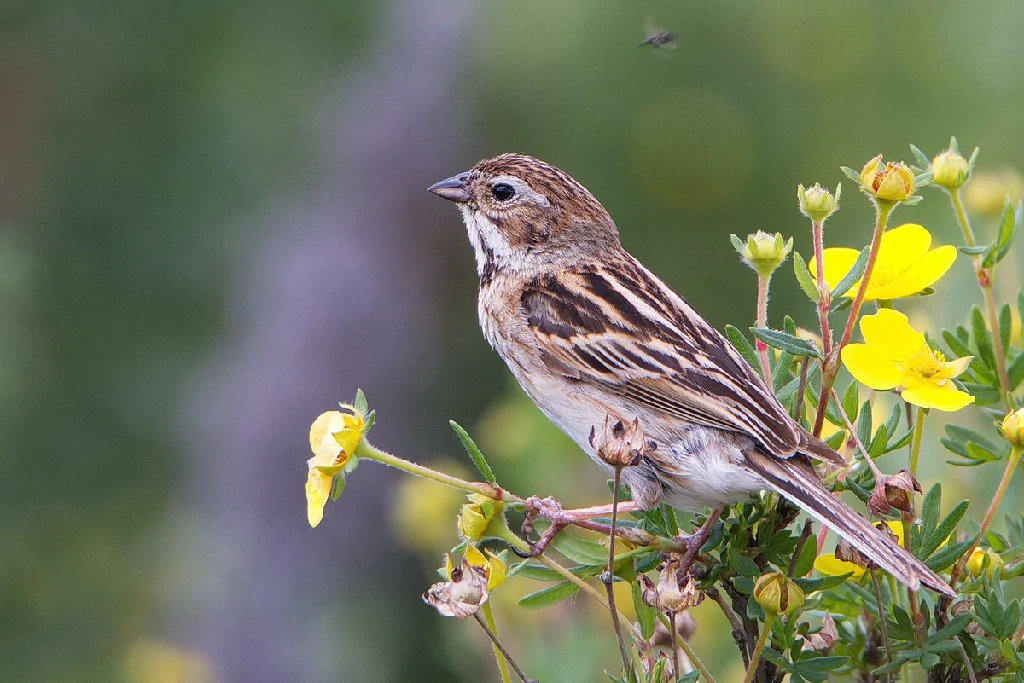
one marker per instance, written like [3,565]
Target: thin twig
[881,616]
[967,661]
[499,657]
[688,651]
[609,583]
[674,636]
[501,648]
[762,638]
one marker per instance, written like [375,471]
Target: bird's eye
[503,192]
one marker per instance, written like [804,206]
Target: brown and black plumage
[589,333]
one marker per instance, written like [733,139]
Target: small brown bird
[590,333]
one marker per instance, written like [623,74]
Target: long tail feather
[800,485]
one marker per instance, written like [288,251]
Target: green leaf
[973,251]
[855,274]
[1016,371]
[982,338]
[958,348]
[645,615]
[551,595]
[836,440]
[743,564]
[805,562]
[955,625]
[804,278]
[474,453]
[579,550]
[936,536]
[919,156]
[786,342]
[945,556]
[360,404]
[864,423]
[851,174]
[851,404]
[1009,223]
[930,507]
[1005,324]
[742,344]
[879,442]
[894,418]
[337,487]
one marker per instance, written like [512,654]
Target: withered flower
[671,594]
[894,492]
[821,641]
[618,443]
[461,596]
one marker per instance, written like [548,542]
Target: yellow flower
[1012,428]
[830,565]
[333,438]
[904,265]
[983,560]
[476,515]
[896,356]
[892,182]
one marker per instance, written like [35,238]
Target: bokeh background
[213,226]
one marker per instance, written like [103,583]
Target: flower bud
[620,444]
[1012,428]
[816,202]
[763,252]
[888,181]
[983,560]
[987,191]
[949,170]
[476,515]
[777,594]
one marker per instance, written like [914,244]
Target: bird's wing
[618,326]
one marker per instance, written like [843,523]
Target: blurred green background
[213,226]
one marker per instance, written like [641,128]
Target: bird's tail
[800,485]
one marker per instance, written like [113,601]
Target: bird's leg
[694,541]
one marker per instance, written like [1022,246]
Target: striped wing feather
[617,326]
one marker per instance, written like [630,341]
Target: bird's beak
[453,189]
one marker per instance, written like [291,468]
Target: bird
[590,333]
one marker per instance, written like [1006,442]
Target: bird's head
[522,212]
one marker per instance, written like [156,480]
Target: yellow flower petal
[830,566]
[318,490]
[890,334]
[941,397]
[957,367]
[838,262]
[924,273]
[871,368]
[497,575]
[902,245]
[323,427]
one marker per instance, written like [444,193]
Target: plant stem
[881,614]
[506,535]
[824,295]
[368,451]
[986,280]
[762,638]
[830,369]
[501,648]
[499,655]
[763,282]
[609,583]
[688,651]
[915,442]
[674,636]
[1011,465]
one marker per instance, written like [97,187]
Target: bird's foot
[692,544]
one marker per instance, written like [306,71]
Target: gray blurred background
[214,226]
